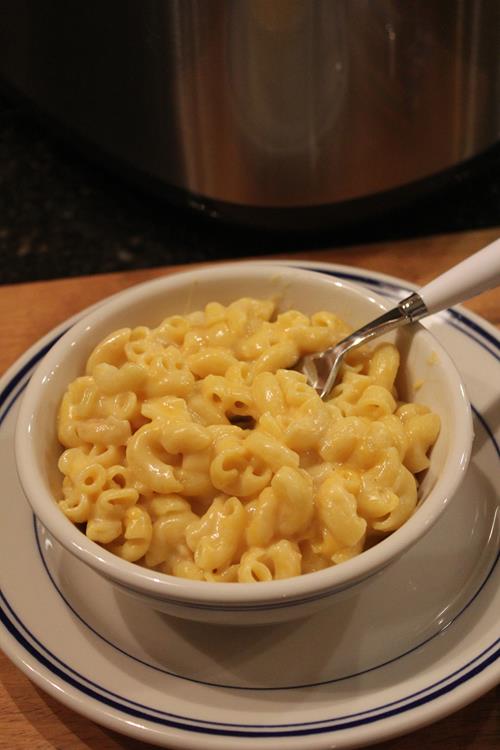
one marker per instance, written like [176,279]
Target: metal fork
[472,276]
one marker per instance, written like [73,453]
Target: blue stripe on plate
[471,335]
[27,367]
[474,667]
[258,689]
[486,428]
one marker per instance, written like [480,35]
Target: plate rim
[463,695]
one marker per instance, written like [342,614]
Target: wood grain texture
[31,720]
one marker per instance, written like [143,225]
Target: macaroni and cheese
[193,448]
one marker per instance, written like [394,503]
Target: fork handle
[474,275]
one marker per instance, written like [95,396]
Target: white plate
[418,644]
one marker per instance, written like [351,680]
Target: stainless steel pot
[265,103]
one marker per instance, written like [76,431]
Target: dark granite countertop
[61,215]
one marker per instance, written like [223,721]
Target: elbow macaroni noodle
[191,448]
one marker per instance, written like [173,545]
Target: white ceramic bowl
[423,361]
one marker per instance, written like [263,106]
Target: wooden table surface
[29,719]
